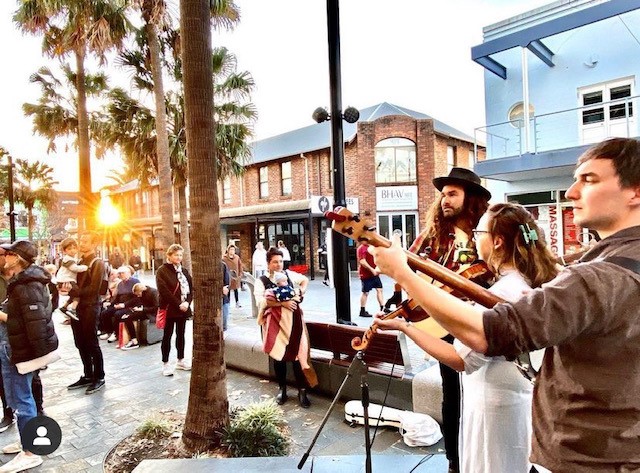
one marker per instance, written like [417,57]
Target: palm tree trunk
[185,239]
[164,165]
[30,222]
[86,209]
[208,409]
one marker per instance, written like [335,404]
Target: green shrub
[152,429]
[256,431]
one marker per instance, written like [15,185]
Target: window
[451,158]
[395,160]
[264,182]
[226,191]
[516,114]
[145,197]
[285,173]
[606,110]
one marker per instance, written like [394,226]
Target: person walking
[284,332]
[226,281]
[175,290]
[585,404]
[234,265]
[85,335]
[32,340]
[369,278]
[259,260]
[286,256]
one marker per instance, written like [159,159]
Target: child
[283,291]
[495,431]
[68,273]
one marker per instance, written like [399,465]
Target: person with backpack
[85,336]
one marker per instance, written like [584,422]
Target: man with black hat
[447,239]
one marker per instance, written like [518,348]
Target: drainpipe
[525,100]
[306,174]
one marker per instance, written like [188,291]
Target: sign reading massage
[321,203]
[396,198]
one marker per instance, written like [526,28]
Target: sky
[411,53]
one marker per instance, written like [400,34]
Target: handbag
[25,367]
[161,318]
[161,315]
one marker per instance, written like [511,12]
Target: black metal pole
[11,214]
[339,243]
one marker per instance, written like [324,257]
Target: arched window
[395,160]
[516,114]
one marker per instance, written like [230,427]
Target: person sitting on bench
[141,307]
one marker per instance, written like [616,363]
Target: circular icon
[42,436]
[323,204]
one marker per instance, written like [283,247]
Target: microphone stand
[358,367]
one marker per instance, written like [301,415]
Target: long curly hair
[531,258]
[441,228]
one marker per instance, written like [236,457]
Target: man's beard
[449,213]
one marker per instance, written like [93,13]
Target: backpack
[104,284]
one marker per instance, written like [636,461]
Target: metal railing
[561,129]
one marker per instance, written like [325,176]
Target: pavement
[136,391]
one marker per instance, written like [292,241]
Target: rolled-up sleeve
[542,319]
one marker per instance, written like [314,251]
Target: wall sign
[396,198]
[321,203]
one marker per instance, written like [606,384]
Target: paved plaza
[135,391]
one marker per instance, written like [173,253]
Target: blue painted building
[557,79]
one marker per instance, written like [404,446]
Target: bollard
[249,280]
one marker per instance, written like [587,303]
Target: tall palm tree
[79,28]
[56,113]
[34,186]
[208,409]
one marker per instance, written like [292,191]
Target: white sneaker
[183,365]
[112,338]
[21,462]
[104,336]
[167,370]
[15,447]
[131,345]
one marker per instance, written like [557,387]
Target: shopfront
[397,212]
[553,213]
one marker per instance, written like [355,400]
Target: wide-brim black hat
[465,178]
[23,248]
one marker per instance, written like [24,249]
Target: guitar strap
[627,263]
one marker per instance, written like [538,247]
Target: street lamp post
[339,242]
[11,213]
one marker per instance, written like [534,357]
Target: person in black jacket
[31,335]
[143,305]
[175,289]
[85,334]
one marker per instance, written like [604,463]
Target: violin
[412,312]
[352,226]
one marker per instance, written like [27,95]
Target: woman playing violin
[495,432]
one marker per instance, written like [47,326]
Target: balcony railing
[561,129]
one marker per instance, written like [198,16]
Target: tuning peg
[355,218]
[348,230]
[331,215]
[370,228]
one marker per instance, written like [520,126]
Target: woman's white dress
[495,430]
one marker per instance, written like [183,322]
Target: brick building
[391,156]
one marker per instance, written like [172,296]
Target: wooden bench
[387,354]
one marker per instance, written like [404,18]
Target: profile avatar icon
[42,438]
[42,435]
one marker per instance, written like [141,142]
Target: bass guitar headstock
[352,226]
